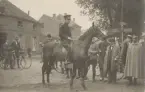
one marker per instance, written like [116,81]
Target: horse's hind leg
[49,67]
[67,72]
[43,71]
[72,78]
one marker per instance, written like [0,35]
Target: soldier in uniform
[65,34]
[48,39]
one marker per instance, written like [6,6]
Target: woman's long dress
[133,61]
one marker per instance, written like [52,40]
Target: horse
[79,54]
[60,54]
[52,53]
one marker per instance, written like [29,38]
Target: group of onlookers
[10,52]
[116,56]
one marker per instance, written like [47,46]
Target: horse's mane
[82,37]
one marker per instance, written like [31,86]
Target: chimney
[73,19]
[65,14]
[28,12]
[54,15]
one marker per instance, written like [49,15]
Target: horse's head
[97,32]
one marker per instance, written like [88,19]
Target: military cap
[111,39]
[49,35]
[134,36]
[67,16]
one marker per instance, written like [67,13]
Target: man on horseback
[65,34]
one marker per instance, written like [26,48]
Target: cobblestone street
[29,80]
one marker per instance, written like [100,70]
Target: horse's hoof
[67,77]
[43,82]
[93,81]
[48,81]
[71,88]
[85,89]
[77,77]
[86,78]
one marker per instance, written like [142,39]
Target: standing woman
[133,60]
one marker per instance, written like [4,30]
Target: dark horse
[79,54]
[52,53]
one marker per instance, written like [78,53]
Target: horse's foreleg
[83,78]
[86,70]
[94,72]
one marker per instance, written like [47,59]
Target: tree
[109,12]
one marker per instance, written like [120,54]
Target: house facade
[15,22]
[52,24]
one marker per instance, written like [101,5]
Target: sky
[49,7]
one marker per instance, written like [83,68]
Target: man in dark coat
[124,48]
[16,48]
[65,32]
[102,46]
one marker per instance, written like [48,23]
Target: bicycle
[7,60]
[25,63]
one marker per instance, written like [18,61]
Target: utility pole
[122,24]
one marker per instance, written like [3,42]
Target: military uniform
[65,32]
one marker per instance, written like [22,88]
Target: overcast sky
[39,7]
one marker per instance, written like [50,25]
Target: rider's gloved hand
[69,38]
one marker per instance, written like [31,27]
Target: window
[2,10]
[34,26]
[20,24]
[42,25]
[34,44]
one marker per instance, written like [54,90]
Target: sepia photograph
[72,45]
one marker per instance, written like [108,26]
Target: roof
[58,19]
[61,16]
[12,10]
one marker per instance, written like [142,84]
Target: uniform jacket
[64,32]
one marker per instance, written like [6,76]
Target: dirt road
[29,80]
